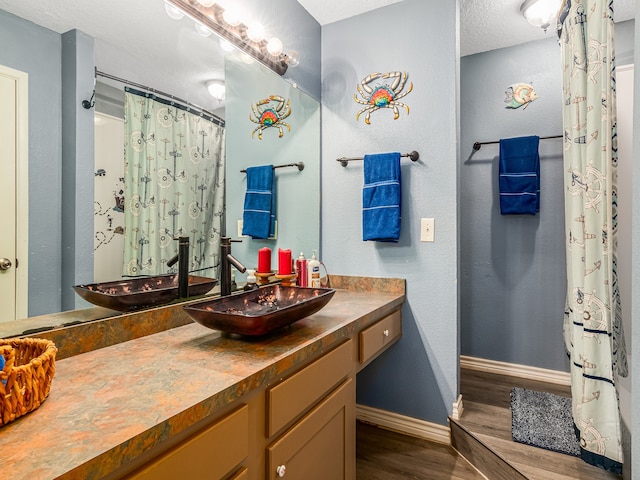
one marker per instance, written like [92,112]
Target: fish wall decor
[519,94]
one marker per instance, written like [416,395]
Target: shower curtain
[592,324]
[174,185]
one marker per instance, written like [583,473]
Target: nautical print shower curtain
[592,324]
[174,185]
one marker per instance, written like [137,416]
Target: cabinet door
[321,445]
[210,454]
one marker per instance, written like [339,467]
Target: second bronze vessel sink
[141,292]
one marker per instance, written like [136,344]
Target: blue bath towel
[519,180]
[258,219]
[381,195]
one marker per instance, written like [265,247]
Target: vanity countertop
[109,405]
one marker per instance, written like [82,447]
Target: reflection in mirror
[36,48]
[297,192]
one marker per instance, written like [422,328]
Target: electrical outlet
[427,229]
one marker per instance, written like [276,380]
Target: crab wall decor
[382,95]
[270,112]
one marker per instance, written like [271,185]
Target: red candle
[284,262]
[264,260]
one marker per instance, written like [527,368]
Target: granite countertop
[109,405]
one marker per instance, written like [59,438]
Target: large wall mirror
[140,43]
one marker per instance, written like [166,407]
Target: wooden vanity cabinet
[322,445]
[302,427]
[320,399]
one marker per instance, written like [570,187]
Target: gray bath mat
[543,420]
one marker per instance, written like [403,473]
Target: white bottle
[313,268]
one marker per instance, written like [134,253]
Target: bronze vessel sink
[260,311]
[141,292]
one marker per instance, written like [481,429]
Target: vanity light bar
[211,17]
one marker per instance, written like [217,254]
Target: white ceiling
[137,49]
[484,24]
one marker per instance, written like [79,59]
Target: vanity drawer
[209,454]
[305,388]
[376,337]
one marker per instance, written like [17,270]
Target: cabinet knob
[386,333]
[281,470]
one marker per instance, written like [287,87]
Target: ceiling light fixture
[540,13]
[216,89]
[225,24]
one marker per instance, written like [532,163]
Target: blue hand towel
[381,195]
[258,218]
[519,180]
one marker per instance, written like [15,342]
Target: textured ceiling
[484,24]
[137,40]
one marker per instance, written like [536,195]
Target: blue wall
[78,164]
[419,376]
[36,50]
[513,279]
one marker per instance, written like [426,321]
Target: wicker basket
[25,380]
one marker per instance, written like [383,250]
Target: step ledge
[415,427]
[514,370]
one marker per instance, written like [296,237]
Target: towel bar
[414,156]
[478,145]
[300,166]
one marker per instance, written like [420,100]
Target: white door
[13,194]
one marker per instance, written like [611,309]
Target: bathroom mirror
[167,44]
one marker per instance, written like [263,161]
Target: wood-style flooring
[487,419]
[385,455]
[483,436]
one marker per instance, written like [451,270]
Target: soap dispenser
[251,281]
[313,271]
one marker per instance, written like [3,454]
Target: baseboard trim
[433,432]
[515,370]
[458,408]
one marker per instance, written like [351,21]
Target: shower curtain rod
[478,145]
[218,120]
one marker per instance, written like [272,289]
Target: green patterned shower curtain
[174,185]
[592,325]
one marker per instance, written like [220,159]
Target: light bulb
[255,32]
[172,11]
[202,30]
[206,3]
[231,15]
[226,45]
[293,58]
[274,46]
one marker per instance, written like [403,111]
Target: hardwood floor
[483,436]
[385,455]
[484,433]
